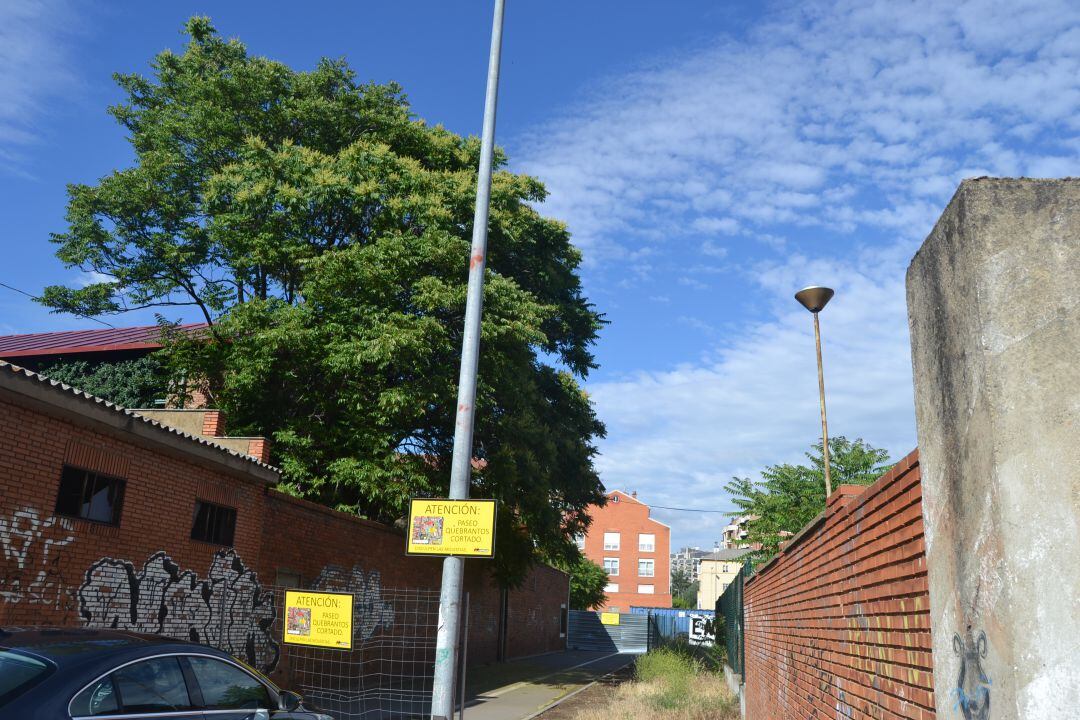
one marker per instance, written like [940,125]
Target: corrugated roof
[143,337]
[10,375]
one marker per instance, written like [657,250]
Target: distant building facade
[717,570]
[635,551]
[687,560]
[737,531]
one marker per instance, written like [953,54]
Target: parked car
[70,674]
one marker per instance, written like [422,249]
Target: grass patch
[669,684]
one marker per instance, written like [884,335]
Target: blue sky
[710,159]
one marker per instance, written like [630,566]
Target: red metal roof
[143,337]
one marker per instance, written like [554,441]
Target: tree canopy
[683,590]
[323,233]
[789,496]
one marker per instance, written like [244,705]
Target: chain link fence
[729,612]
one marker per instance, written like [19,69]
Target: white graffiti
[370,612]
[30,545]
[228,609]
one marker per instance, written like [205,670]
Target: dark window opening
[90,496]
[213,523]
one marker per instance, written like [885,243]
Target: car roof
[69,646]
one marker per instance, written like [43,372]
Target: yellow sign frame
[318,619]
[451,528]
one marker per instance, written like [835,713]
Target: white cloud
[677,436]
[34,68]
[897,99]
[827,118]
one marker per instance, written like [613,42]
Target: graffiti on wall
[973,684]
[370,611]
[31,548]
[227,609]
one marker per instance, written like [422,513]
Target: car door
[226,691]
[141,690]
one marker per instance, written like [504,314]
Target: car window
[155,685]
[18,673]
[226,686]
[98,699]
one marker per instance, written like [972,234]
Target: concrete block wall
[994,310]
[838,625]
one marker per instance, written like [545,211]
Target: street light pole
[446,643]
[814,299]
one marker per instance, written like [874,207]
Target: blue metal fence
[670,623]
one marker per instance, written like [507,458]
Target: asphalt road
[520,689]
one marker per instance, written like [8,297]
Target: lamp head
[814,298]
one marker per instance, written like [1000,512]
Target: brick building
[109,518]
[634,549]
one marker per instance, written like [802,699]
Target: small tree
[587,583]
[789,496]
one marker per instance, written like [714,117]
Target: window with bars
[213,523]
[88,495]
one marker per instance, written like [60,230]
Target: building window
[646,589]
[724,569]
[90,496]
[579,540]
[213,523]
[611,588]
[611,541]
[646,542]
[611,566]
[646,568]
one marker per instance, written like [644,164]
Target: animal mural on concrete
[227,609]
[370,612]
[973,685]
[31,551]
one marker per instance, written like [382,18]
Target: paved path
[519,689]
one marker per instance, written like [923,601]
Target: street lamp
[814,299]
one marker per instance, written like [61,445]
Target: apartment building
[717,570]
[635,551]
[688,560]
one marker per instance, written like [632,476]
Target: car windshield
[18,673]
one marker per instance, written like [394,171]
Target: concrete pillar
[994,307]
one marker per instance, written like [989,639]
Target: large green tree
[323,234]
[789,496]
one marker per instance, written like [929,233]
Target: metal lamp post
[446,642]
[814,299]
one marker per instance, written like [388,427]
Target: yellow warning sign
[451,527]
[319,619]
[609,618]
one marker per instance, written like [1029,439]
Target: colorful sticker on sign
[451,527]
[609,618]
[318,619]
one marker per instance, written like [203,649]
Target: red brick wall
[62,571]
[838,625]
[629,517]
